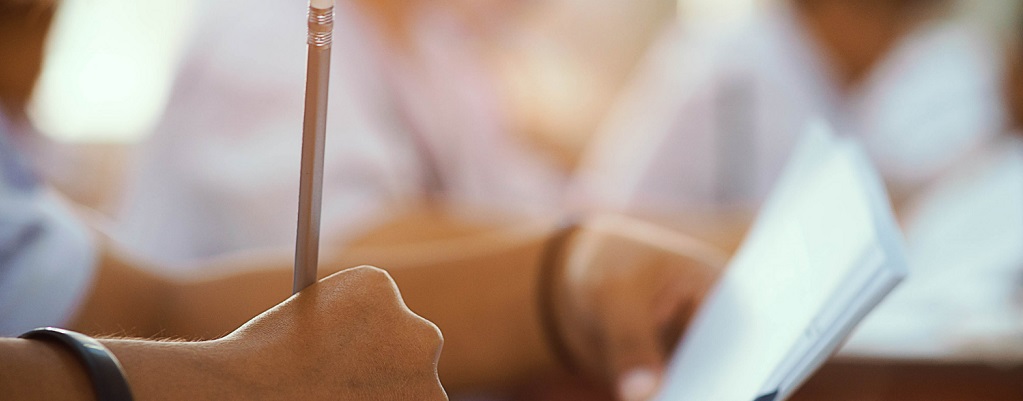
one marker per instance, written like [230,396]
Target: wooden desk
[911,381]
[855,380]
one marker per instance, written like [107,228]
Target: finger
[634,353]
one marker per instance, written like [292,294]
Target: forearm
[207,370]
[39,370]
[486,306]
[477,286]
[33,370]
[125,299]
[479,290]
[128,300]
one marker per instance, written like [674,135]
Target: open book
[822,253]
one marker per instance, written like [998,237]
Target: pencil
[307,244]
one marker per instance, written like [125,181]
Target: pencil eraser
[321,4]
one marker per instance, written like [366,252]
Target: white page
[771,308]
[964,241]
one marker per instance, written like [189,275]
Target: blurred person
[419,122]
[56,273]
[22,33]
[708,126]
[964,234]
[611,292]
[49,264]
[411,116]
[712,116]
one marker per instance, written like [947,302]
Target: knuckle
[370,273]
[424,342]
[427,333]
[433,334]
[377,284]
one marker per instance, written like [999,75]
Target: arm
[481,291]
[279,354]
[493,339]
[36,370]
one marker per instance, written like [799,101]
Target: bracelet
[104,370]
[550,261]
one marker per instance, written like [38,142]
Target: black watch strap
[104,370]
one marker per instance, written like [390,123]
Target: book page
[817,233]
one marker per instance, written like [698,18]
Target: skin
[484,300]
[625,291]
[23,27]
[623,295]
[856,34]
[391,353]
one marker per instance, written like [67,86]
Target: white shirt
[712,117]
[221,172]
[47,259]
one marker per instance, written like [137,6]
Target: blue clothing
[47,258]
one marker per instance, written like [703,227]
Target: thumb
[638,384]
[635,357]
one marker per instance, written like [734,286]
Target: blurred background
[180,123]
[111,66]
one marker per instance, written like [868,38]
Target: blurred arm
[479,289]
[624,289]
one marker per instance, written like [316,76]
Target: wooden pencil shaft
[313,136]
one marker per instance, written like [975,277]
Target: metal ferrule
[321,27]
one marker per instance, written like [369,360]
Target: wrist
[172,370]
[34,370]
[551,295]
[102,367]
[584,290]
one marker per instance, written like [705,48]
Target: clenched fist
[348,337]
